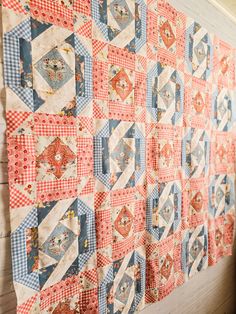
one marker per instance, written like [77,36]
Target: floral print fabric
[121,147]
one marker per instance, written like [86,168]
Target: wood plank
[6,284]
[4,221]
[5,256]
[4,196]
[13,311]
[2,137]
[3,153]
[1,75]
[7,303]
[4,211]
[3,125]
[3,173]
[4,226]
[228,306]
[2,106]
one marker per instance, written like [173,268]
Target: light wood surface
[211,291]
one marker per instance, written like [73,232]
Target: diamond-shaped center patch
[123,222]
[198,153]
[224,64]
[167,210]
[221,109]
[57,155]
[200,52]
[197,201]
[122,84]
[167,153]
[219,195]
[218,236]
[54,69]
[167,94]
[121,13]
[123,289]
[196,248]
[58,242]
[167,34]
[123,154]
[166,267]
[198,103]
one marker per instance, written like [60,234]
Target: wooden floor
[213,290]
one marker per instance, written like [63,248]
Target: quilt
[121,152]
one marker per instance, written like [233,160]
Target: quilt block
[121,118]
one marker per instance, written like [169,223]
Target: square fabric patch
[121,119]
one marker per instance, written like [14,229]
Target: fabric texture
[121,147]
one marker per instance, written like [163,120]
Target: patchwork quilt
[121,146]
